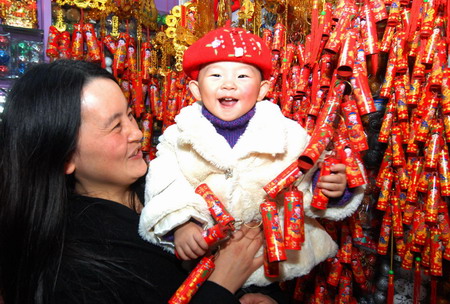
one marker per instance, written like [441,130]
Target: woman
[70,169]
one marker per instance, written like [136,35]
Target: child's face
[229,89]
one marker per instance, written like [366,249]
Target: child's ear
[263,89]
[195,90]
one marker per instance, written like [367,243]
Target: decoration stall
[368,80]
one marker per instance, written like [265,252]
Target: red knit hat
[227,44]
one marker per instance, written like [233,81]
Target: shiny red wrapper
[320,290]
[196,278]
[355,226]
[345,290]
[414,43]
[428,19]
[326,70]
[433,199]
[300,54]
[394,14]
[335,272]
[286,58]
[317,103]
[424,127]
[267,37]
[120,55]
[347,55]
[400,246]
[419,228]
[385,164]
[64,46]
[272,232]
[386,41]
[301,87]
[294,217]
[320,200]
[346,245]
[353,122]
[369,30]
[388,82]
[283,180]
[414,92]
[215,234]
[361,91]
[443,169]
[110,43]
[317,145]
[77,42]
[385,190]
[385,233]
[396,213]
[400,96]
[357,268]
[146,62]
[447,127]
[419,68]
[147,130]
[271,269]
[388,120]
[93,48]
[337,36]
[279,37]
[436,76]
[398,155]
[217,209]
[445,88]
[52,42]
[430,47]
[434,146]
[379,11]
[436,253]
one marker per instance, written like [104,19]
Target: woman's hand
[236,259]
[189,241]
[256,298]
[333,185]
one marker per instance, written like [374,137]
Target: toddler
[235,142]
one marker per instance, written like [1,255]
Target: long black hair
[38,134]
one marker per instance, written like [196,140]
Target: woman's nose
[135,133]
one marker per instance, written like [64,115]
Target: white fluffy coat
[191,152]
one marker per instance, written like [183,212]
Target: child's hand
[189,242]
[333,185]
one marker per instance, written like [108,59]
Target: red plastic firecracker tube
[294,217]
[217,209]
[283,180]
[320,200]
[193,282]
[272,232]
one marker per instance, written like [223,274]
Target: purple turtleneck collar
[230,130]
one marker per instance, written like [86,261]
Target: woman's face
[108,156]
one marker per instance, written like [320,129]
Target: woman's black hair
[38,134]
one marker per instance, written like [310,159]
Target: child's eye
[215,75]
[242,76]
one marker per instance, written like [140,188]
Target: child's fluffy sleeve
[170,200]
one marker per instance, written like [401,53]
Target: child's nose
[228,83]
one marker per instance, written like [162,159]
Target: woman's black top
[106,261]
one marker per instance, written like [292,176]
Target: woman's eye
[130,116]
